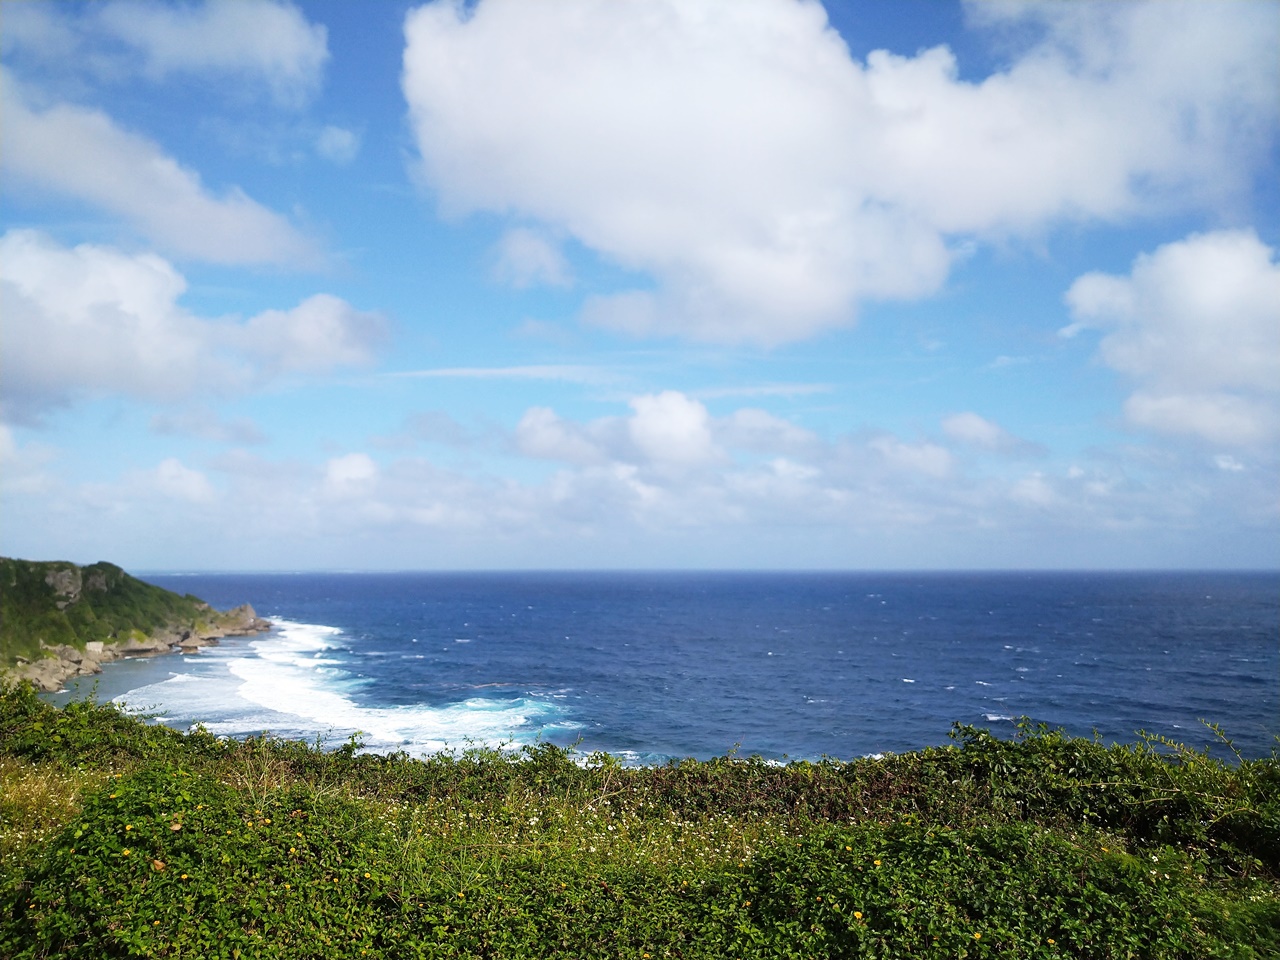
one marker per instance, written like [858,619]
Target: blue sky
[586,283]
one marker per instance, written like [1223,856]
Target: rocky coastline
[63,662]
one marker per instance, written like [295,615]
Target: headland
[59,620]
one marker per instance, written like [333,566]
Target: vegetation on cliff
[119,838]
[46,604]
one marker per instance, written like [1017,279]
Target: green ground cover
[120,838]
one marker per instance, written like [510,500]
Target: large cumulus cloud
[93,320]
[1196,327]
[768,182]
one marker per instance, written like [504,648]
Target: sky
[633,284]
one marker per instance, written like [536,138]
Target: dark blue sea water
[652,666]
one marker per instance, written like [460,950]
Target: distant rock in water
[59,620]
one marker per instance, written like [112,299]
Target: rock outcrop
[66,584]
[64,662]
[61,621]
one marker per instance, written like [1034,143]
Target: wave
[292,682]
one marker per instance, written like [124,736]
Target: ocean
[656,666]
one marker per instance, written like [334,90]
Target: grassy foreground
[119,838]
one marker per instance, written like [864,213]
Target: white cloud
[972,430]
[338,145]
[95,320]
[270,40]
[92,320]
[1224,461]
[665,432]
[564,372]
[431,426]
[1196,325]
[349,476]
[22,465]
[206,425]
[767,390]
[867,500]
[1034,490]
[759,430]
[670,438]
[319,334]
[1221,418]
[256,41]
[543,435]
[528,258]
[1003,361]
[174,479]
[81,153]
[769,182]
[671,429]
[928,459]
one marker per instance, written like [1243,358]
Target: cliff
[59,620]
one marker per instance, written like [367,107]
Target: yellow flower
[156,923]
[366,876]
[124,853]
[1052,941]
[848,848]
[857,914]
[128,826]
[877,863]
[184,876]
[292,850]
[977,936]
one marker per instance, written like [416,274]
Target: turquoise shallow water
[654,666]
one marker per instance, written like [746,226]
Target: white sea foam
[292,682]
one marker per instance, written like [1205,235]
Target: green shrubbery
[111,604]
[128,839]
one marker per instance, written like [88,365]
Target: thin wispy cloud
[565,373]
[766,390]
